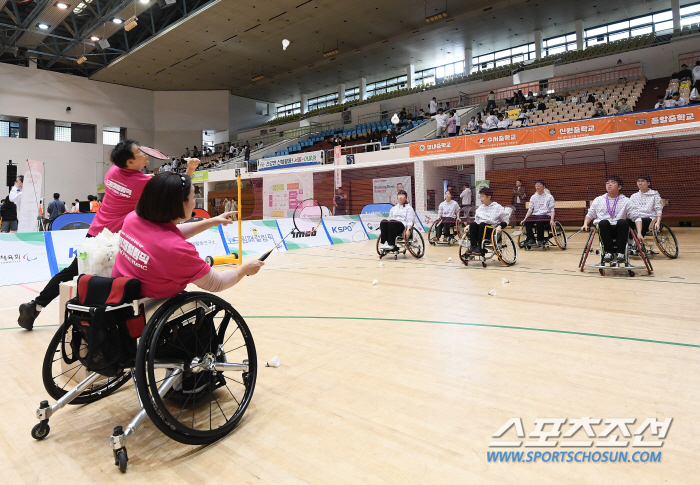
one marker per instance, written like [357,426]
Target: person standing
[227,205]
[491,101]
[234,208]
[246,147]
[458,121]
[8,215]
[451,125]
[340,203]
[441,120]
[56,208]
[466,195]
[16,192]
[432,107]
[187,152]
[518,201]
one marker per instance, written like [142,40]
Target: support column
[271,110]
[420,189]
[341,93]
[363,89]
[538,44]
[479,174]
[410,76]
[579,34]
[304,103]
[468,61]
[676,11]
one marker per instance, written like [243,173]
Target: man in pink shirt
[124,183]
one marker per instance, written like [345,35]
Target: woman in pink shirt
[124,183]
[153,247]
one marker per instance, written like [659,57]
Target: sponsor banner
[65,244]
[100,188]
[298,240]
[371,221]
[23,258]
[287,161]
[258,237]
[652,119]
[209,242]
[498,138]
[344,229]
[200,176]
[385,190]
[480,184]
[574,129]
[282,193]
[439,146]
[28,209]
[427,218]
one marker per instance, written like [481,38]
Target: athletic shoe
[529,242]
[385,246]
[607,258]
[540,243]
[620,258]
[477,250]
[27,315]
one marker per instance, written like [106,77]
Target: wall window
[289,109]
[323,101]
[65,131]
[111,135]
[352,94]
[13,127]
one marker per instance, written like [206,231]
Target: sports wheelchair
[194,366]
[499,244]
[554,232]
[457,228]
[664,240]
[411,241]
[613,265]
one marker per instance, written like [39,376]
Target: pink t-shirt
[159,256]
[123,188]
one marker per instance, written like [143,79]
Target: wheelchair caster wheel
[631,273]
[602,272]
[121,459]
[597,251]
[483,264]
[396,256]
[466,263]
[41,430]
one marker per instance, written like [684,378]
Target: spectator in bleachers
[472,126]
[187,152]
[451,126]
[660,103]
[195,152]
[517,200]
[441,120]
[530,98]
[675,100]
[391,137]
[541,106]
[403,114]
[591,98]
[541,93]
[574,99]
[524,118]
[458,121]
[231,151]
[685,73]
[246,149]
[622,107]
[491,122]
[503,122]
[432,107]
[490,101]
[512,101]
[696,76]
[599,110]
[421,113]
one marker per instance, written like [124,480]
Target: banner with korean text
[289,161]
[574,129]
[453,144]
[23,258]
[497,139]
[656,118]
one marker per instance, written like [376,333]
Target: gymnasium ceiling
[223,44]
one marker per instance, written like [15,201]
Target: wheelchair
[411,241]
[457,228]
[500,245]
[554,232]
[194,367]
[613,266]
[664,240]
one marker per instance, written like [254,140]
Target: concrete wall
[242,115]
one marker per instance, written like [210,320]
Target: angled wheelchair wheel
[559,235]
[505,247]
[520,233]
[59,377]
[642,252]
[432,233]
[587,249]
[414,242]
[378,251]
[464,247]
[666,241]
[205,338]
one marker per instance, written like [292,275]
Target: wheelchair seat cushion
[97,290]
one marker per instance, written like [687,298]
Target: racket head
[152,152]
[308,215]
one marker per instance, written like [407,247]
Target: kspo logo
[348,228]
[611,432]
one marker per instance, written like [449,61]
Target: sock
[38,307]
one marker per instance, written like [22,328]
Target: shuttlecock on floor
[504,281]
[492,292]
[381,264]
[273,362]
[449,260]
[375,282]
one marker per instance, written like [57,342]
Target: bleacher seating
[683,88]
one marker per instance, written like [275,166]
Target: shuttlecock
[273,362]
[492,292]
[395,119]
[504,281]
[381,264]
[285,44]
[375,282]
[449,259]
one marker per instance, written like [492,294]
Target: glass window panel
[4,128]
[449,70]
[391,89]
[429,79]
[618,36]
[597,31]
[403,79]
[641,21]
[690,20]
[502,62]
[440,72]
[571,37]
[571,47]
[475,68]
[61,133]
[658,27]
[662,16]
[555,41]
[110,137]
[379,84]
[642,31]
[690,9]
[619,26]
[501,54]
[519,50]
[14,129]
[531,47]
[487,57]
[459,67]
[556,50]
[519,58]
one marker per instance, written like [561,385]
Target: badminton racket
[307,217]
[576,233]
[152,152]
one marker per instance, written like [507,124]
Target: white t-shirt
[402,213]
[441,120]
[466,196]
[432,106]
[448,209]
[503,124]
[16,197]
[541,205]
[648,204]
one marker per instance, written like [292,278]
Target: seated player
[489,213]
[611,212]
[400,217]
[448,214]
[648,203]
[153,246]
[540,211]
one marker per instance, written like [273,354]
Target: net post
[240,223]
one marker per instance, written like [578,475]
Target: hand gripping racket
[307,217]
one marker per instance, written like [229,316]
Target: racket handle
[264,256]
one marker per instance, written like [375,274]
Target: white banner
[371,223]
[343,229]
[298,240]
[209,243]
[23,258]
[283,192]
[288,161]
[427,218]
[64,244]
[31,196]
[258,237]
[385,190]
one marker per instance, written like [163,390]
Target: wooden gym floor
[403,382]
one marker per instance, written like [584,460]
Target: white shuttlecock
[375,282]
[285,44]
[395,119]
[273,362]
[492,292]
[449,259]
[381,264]
[504,281]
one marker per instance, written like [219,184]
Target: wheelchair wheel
[432,233]
[505,247]
[59,378]
[521,237]
[378,251]
[209,340]
[666,241]
[586,249]
[414,243]
[464,247]
[642,252]
[559,235]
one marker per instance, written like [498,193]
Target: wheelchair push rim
[666,241]
[414,242]
[559,235]
[218,357]
[505,248]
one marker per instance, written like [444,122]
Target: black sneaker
[529,242]
[607,258]
[477,250]
[27,315]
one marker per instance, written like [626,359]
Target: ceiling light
[257,78]
[330,53]
[94,38]
[61,5]
[43,26]
[285,44]
[145,1]
[117,21]
[131,23]
[81,59]
[435,17]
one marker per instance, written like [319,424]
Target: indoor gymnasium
[369,242]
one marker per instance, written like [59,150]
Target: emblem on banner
[422,148]
[552,132]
